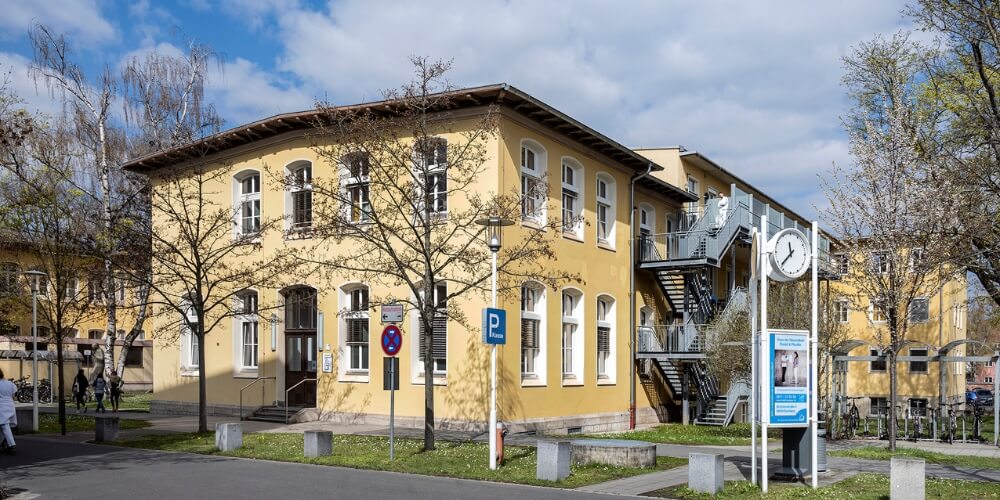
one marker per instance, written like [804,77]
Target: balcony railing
[672,338]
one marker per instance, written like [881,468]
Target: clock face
[790,253]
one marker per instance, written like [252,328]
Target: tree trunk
[893,422]
[61,384]
[136,329]
[428,376]
[202,393]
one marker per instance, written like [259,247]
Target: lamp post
[35,279]
[494,227]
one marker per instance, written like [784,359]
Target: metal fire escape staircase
[679,261]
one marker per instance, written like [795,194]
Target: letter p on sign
[494,326]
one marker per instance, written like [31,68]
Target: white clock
[790,255]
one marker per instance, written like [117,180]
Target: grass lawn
[862,486]
[458,460]
[883,453]
[732,435]
[48,423]
[135,401]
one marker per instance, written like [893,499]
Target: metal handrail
[245,387]
[290,390]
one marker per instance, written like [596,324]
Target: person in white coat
[8,417]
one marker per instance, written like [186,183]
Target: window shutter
[603,339]
[529,333]
[357,330]
[440,341]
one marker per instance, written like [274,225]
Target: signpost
[392,343]
[494,333]
[392,313]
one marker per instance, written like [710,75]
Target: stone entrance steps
[274,414]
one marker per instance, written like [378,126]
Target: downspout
[632,302]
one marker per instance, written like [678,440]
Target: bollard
[106,428]
[907,478]
[318,443]
[553,460]
[24,418]
[706,473]
[228,437]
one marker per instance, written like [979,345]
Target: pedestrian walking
[80,385]
[115,387]
[100,386]
[8,416]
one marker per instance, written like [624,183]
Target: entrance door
[300,364]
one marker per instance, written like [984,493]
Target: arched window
[300,309]
[572,197]
[432,170]
[354,328]
[248,201]
[533,332]
[572,339]
[9,273]
[605,210]
[606,341]
[357,166]
[248,324]
[300,190]
[533,187]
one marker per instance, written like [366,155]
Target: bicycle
[952,422]
[852,418]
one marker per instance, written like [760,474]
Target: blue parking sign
[494,326]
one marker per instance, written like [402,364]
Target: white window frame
[572,218]
[843,263]
[436,168]
[189,341]
[927,365]
[347,371]
[875,352]
[534,191]
[605,208]
[692,186]
[841,311]
[571,336]
[873,312]
[291,170]
[357,188]
[607,320]
[72,289]
[537,376]
[241,322]
[417,364]
[880,262]
[10,282]
[241,198]
[916,256]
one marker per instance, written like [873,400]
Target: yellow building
[81,345]
[568,364]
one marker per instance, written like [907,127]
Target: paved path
[61,469]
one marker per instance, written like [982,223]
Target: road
[54,468]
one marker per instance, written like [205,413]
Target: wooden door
[300,364]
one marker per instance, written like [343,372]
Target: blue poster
[789,401]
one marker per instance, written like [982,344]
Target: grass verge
[732,435]
[135,401]
[458,460]
[48,423]
[932,457]
[861,487]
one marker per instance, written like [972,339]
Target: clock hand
[789,256]
[790,251]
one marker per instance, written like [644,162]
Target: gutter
[631,295]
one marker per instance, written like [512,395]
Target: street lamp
[494,227]
[35,279]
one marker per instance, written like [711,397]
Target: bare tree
[201,264]
[407,201]
[881,206]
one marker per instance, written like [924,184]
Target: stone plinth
[554,458]
[706,473]
[318,443]
[616,452]
[907,479]
[106,428]
[24,420]
[228,437]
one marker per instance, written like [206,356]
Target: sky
[754,85]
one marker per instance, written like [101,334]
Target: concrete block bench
[706,473]
[317,443]
[554,459]
[228,437]
[106,428]
[907,477]
[616,452]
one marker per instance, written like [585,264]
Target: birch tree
[883,207]
[403,209]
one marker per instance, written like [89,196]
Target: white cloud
[81,19]
[36,97]
[242,92]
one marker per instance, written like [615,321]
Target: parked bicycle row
[916,423]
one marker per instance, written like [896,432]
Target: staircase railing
[671,338]
[262,389]
[737,391]
[708,237]
[290,390]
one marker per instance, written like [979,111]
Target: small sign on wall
[327,362]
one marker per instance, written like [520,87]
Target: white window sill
[571,381]
[572,235]
[247,239]
[439,380]
[246,373]
[356,377]
[189,371]
[299,234]
[532,223]
[605,380]
[605,245]
[532,381]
